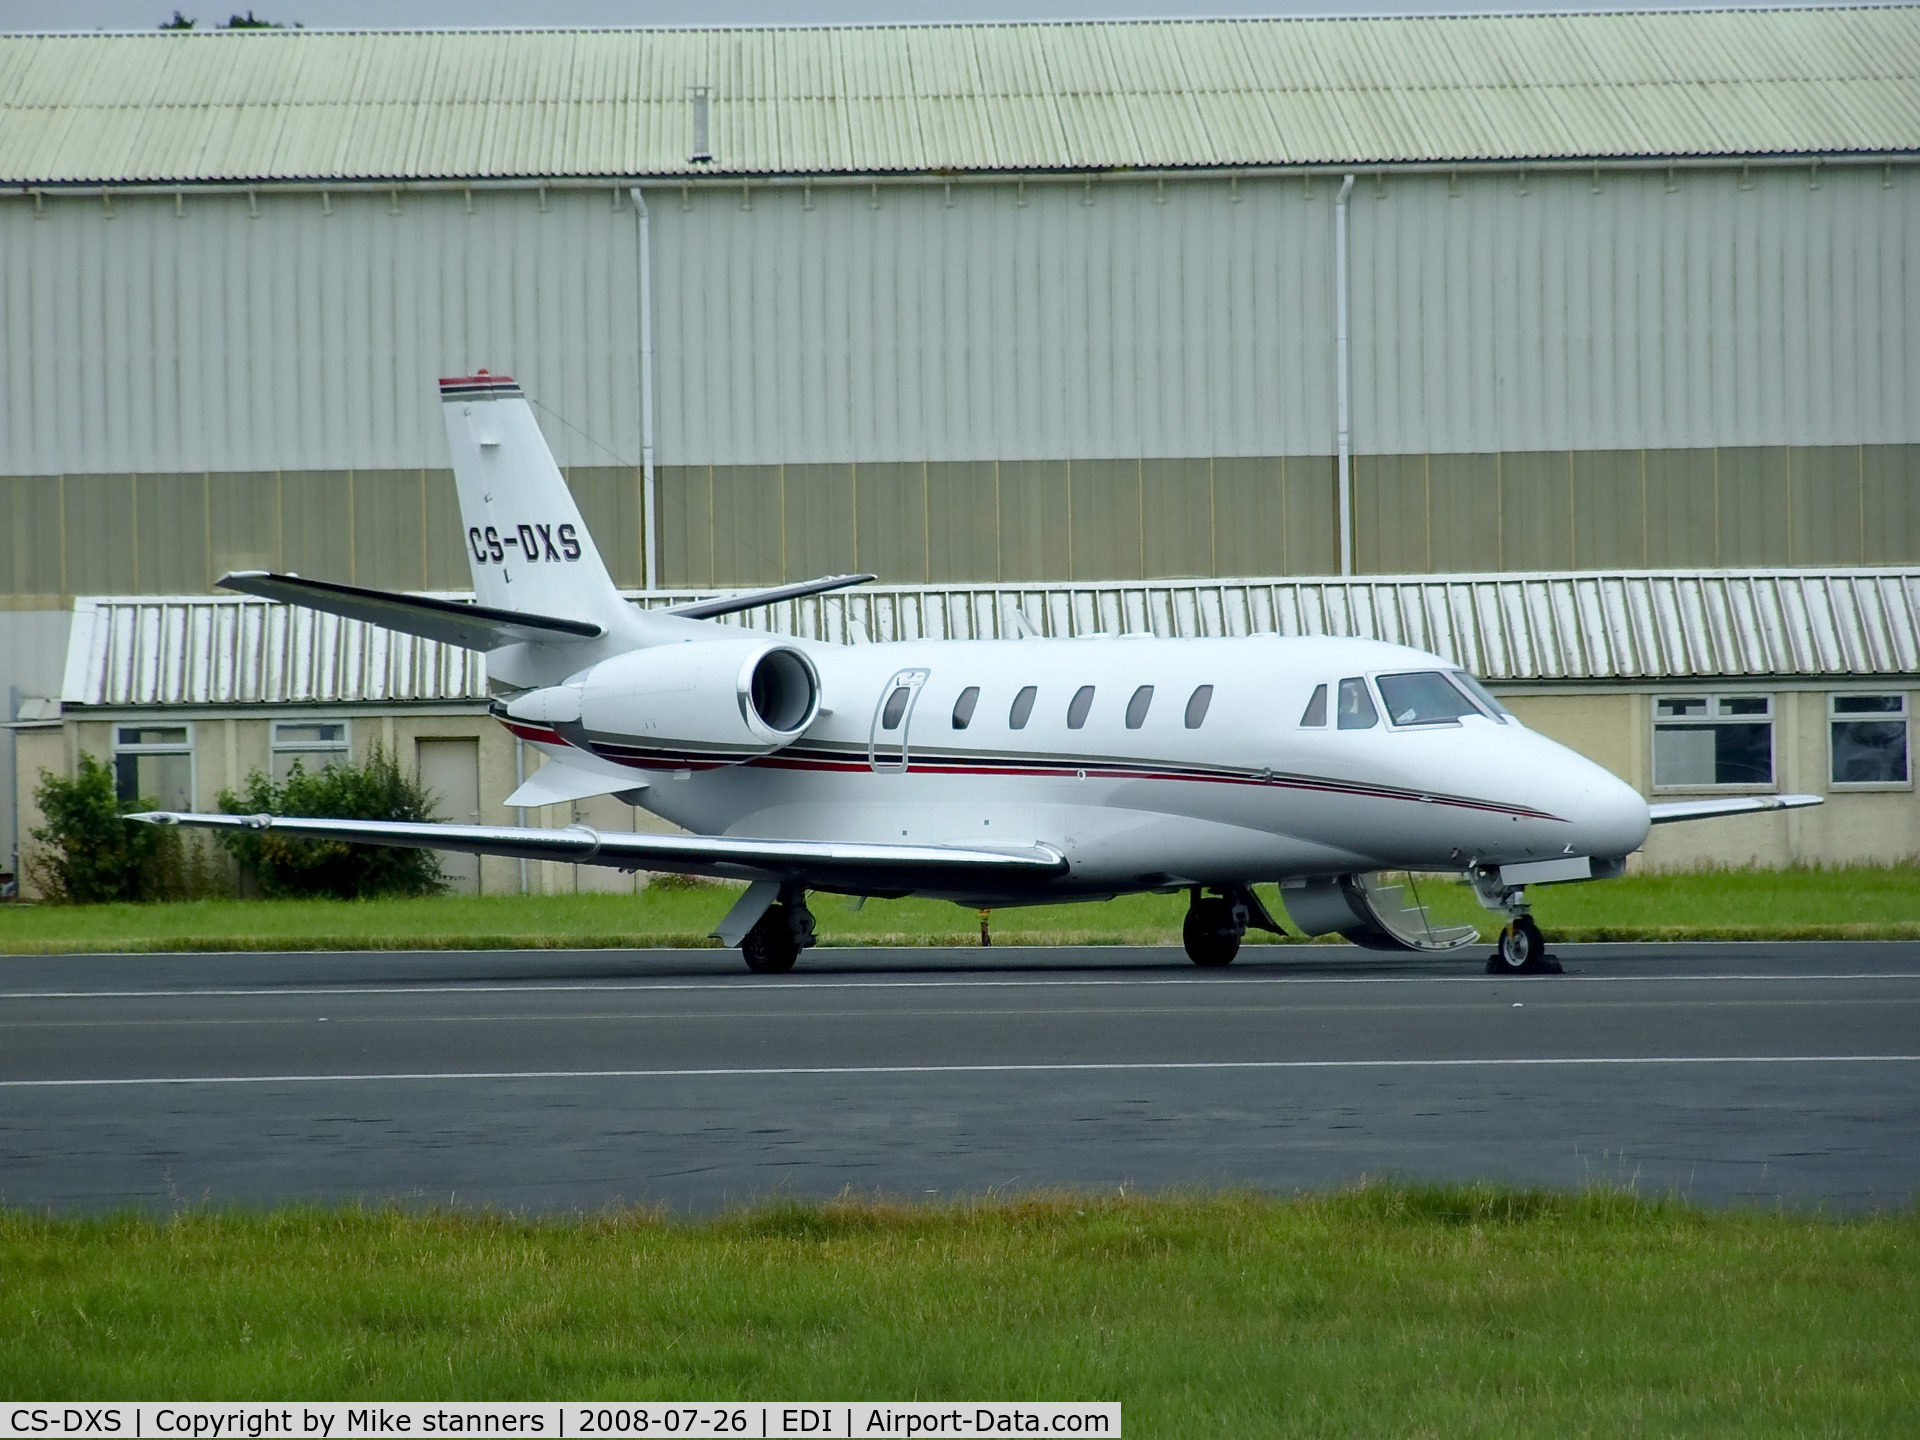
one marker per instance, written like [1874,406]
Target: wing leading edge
[853,866]
[1675,810]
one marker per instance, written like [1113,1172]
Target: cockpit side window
[1316,712]
[1356,705]
[1424,697]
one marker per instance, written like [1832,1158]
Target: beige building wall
[227,746]
[1878,824]
[1613,727]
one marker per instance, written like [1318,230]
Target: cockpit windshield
[1480,693]
[1424,697]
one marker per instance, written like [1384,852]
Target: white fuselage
[1249,793]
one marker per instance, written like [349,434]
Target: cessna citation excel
[991,773]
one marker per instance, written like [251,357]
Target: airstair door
[892,717]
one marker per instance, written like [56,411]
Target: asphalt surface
[562,1080]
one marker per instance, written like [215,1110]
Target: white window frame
[1657,722]
[158,747]
[276,748]
[1905,717]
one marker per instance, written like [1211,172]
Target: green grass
[1855,902]
[1387,1310]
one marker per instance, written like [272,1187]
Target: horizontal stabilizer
[1670,811]
[563,784]
[451,622]
[851,865]
[746,600]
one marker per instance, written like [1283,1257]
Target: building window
[154,764]
[1701,740]
[315,744]
[1869,739]
[963,707]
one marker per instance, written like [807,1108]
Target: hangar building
[971,306]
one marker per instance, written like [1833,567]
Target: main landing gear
[1215,924]
[1521,949]
[783,930]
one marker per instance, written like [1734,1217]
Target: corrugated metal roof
[1622,627]
[216,650]
[307,105]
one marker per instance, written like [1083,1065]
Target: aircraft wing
[452,622]
[828,864]
[1670,811]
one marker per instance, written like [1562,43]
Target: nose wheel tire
[769,947]
[1522,951]
[1211,938]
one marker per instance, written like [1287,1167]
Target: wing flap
[1672,811]
[836,864]
[451,622]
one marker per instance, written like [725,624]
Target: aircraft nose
[1610,816]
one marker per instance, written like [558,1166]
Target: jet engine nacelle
[714,700]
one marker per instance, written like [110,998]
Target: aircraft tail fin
[527,546]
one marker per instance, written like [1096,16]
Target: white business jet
[990,773]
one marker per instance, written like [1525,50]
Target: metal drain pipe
[648,508]
[1343,371]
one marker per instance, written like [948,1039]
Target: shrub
[377,790]
[92,853]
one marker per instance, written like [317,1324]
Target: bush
[93,853]
[378,790]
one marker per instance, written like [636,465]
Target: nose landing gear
[1521,949]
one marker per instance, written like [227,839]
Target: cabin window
[1316,711]
[1868,735]
[1701,740]
[311,744]
[1137,707]
[1022,707]
[1356,705]
[896,707]
[1078,707]
[154,763]
[963,707]
[1197,704]
[1423,697]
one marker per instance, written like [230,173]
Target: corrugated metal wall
[292,340]
[1571,311]
[995,322]
[996,382]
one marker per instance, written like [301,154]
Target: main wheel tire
[1521,945]
[1209,935]
[769,947]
